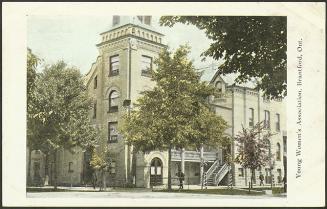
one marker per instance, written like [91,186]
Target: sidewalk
[91,189]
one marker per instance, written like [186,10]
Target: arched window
[278,152]
[113,101]
[219,86]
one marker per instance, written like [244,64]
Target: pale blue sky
[73,39]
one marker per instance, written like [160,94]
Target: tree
[253,148]
[61,112]
[100,162]
[251,46]
[175,113]
[32,63]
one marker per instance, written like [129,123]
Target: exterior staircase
[216,173]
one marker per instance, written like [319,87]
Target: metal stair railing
[221,173]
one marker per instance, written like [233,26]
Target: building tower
[122,70]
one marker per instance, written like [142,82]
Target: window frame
[145,72]
[96,82]
[267,119]
[95,109]
[111,63]
[278,152]
[112,108]
[279,177]
[251,118]
[70,164]
[278,122]
[219,86]
[241,172]
[115,137]
[112,167]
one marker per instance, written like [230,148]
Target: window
[147,20]
[241,172]
[251,117]
[267,119]
[219,86]
[95,82]
[114,65]
[279,177]
[113,101]
[115,20]
[112,132]
[277,122]
[70,167]
[285,143]
[140,18]
[278,152]
[112,167]
[146,65]
[95,109]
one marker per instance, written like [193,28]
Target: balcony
[193,156]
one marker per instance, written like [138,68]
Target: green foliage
[175,112]
[32,76]
[100,160]
[253,147]
[59,116]
[97,162]
[253,47]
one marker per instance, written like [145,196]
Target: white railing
[193,156]
[221,173]
[212,168]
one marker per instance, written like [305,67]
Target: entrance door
[36,176]
[156,172]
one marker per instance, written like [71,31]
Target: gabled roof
[229,79]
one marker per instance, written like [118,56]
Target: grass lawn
[215,191]
[46,190]
[275,190]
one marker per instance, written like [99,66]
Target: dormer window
[219,86]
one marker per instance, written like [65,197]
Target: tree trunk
[29,178]
[55,170]
[169,168]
